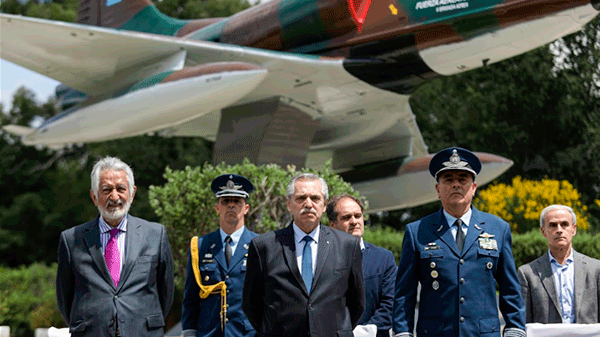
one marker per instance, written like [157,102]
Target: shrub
[385,237]
[522,202]
[531,245]
[185,204]
[28,299]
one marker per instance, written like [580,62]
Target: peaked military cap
[454,158]
[231,185]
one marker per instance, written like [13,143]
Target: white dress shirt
[298,236]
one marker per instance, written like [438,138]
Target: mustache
[118,202]
[308,210]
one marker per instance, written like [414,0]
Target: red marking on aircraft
[359,10]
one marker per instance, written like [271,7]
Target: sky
[13,76]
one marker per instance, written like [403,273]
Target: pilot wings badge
[486,242]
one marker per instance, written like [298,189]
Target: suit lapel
[286,237]
[216,248]
[580,278]
[92,241]
[545,274]
[472,231]
[134,239]
[322,253]
[442,229]
[241,249]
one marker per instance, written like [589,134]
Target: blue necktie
[307,271]
[460,235]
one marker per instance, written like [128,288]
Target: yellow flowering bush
[521,203]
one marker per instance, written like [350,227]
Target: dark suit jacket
[276,300]
[87,298]
[541,299]
[379,271]
[458,289]
[203,315]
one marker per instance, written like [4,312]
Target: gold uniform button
[206,278]
[434,274]
[432,264]
[489,265]
[462,261]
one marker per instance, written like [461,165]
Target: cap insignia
[454,160]
[231,186]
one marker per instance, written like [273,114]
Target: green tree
[540,109]
[185,204]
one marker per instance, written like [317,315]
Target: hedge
[28,299]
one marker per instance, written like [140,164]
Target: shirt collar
[569,259]
[235,236]
[104,227]
[299,234]
[466,218]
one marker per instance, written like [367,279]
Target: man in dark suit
[458,255]
[221,261]
[345,213]
[115,273]
[305,279]
[562,286]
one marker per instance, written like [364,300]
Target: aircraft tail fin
[134,15]
[18,130]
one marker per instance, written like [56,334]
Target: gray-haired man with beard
[115,273]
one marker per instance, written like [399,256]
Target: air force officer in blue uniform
[222,257]
[458,255]
[345,213]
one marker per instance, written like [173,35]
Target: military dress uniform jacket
[379,273]
[203,315]
[458,289]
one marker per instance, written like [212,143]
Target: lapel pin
[477,226]
[245,246]
[213,246]
[439,229]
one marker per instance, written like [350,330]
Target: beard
[116,214]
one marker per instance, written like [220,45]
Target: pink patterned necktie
[113,256]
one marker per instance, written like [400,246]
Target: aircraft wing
[100,61]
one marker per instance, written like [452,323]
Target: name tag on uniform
[486,242]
